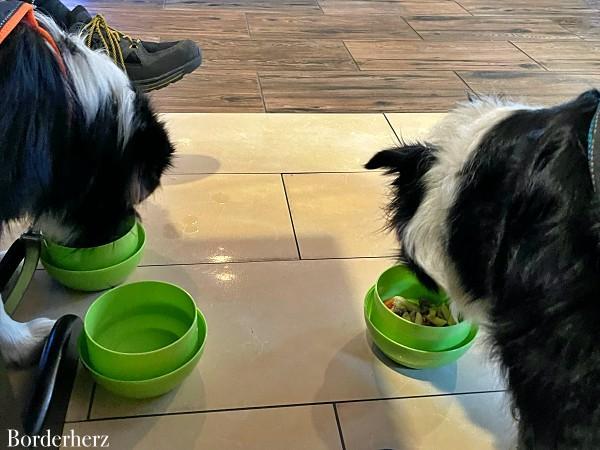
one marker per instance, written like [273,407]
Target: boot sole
[152,84]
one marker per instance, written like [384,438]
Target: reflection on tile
[340,215]
[410,127]
[474,421]
[279,333]
[218,218]
[276,143]
[298,428]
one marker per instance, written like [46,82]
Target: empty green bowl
[93,258]
[410,357]
[400,280]
[100,279]
[152,387]
[141,330]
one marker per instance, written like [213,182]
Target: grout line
[289,405]
[351,55]
[287,200]
[469,88]
[412,28]
[89,411]
[339,426]
[316,172]
[262,94]
[247,25]
[319,5]
[258,261]
[387,119]
[253,261]
[535,61]
[466,10]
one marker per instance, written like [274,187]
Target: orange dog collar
[14,12]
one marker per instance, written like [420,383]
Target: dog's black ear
[407,160]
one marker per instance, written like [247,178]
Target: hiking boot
[150,65]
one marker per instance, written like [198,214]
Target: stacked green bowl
[142,339]
[407,343]
[96,268]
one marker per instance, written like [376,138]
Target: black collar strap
[593,151]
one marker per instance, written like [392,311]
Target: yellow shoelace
[109,37]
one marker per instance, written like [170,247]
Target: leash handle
[24,250]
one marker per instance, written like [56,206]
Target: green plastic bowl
[400,280]
[410,357]
[94,258]
[141,330]
[100,279]
[152,387]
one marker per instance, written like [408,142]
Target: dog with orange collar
[80,146]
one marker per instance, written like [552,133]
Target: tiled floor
[368,55]
[271,223]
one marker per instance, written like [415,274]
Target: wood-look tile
[97,5]
[177,24]
[208,90]
[531,87]
[527,7]
[421,55]
[275,6]
[277,55]
[586,27]
[409,7]
[361,91]
[568,56]
[339,26]
[487,28]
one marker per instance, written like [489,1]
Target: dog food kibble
[421,312]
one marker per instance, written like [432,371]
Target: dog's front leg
[21,342]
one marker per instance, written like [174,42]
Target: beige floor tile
[218,218]
[276,143]
[297,428]
[340,215]
[413,126]
[474,421]
[279,333]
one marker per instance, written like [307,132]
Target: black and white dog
[80,148]
[498,207]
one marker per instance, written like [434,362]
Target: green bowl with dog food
[97,279]
[140,331]
[405,310]
[407,356]
[94,258]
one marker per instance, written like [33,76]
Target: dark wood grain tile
[528,7]
[401,7]
[275,6]
[422,55]
[177,24]
[211,91]
[330,26]
[571,56]
[448,28]
[586,27]
[276,55]
[364,91]
[531,87]
[98,5]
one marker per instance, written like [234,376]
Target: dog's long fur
[79,150]
[497,207]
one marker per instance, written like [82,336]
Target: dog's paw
[21,343]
